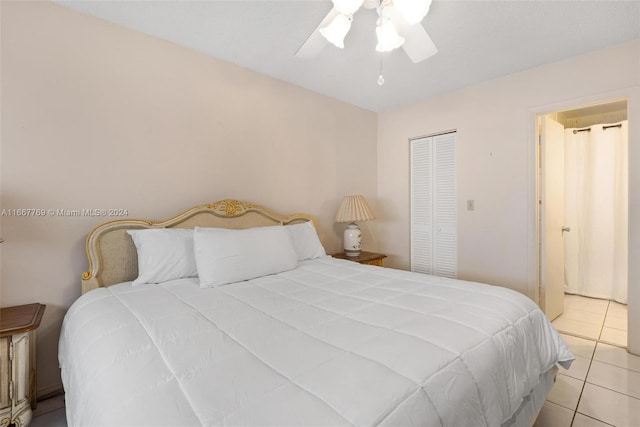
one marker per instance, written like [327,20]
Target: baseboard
[47,392]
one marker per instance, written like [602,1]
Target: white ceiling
[477,40]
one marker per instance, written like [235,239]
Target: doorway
[583,210]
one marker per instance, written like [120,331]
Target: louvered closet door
[433,205]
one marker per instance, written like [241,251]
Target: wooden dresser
[18,362]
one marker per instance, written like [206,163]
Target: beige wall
[496,158]
[97,116]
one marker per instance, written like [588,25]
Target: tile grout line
[593,353]
[615,391]
[604,320]
[586,336]
[598,341]
[615,366]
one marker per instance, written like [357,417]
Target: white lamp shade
[347,7]
[354,209]
[413,11]
[388,37]
[337,30]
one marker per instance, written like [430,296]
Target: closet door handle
[566,229]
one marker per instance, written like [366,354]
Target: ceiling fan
[398,25]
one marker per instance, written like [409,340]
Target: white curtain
[596,182]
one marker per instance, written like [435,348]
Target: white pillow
[227,256]
[305,241]
[164,254]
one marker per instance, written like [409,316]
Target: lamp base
[352,240]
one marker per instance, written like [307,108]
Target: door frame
[535,249]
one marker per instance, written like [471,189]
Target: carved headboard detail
[112,255]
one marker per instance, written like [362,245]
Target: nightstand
[370,258]
[18,362]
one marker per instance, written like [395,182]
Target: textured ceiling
[477,40]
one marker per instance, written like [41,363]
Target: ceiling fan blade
[316,42]
[418,45]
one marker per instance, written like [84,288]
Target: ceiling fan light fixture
[388,37]
[337,29]
[412,11]
[347,7]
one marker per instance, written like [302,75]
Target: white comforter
[330,343]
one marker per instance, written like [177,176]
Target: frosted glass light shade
[347,7]
[388,37]
[413,11]
[337,30]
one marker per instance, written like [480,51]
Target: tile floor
[602,388]
[50,413]
[594,319]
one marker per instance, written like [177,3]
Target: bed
[323,342]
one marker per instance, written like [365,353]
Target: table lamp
[352,209]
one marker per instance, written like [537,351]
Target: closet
[433,205]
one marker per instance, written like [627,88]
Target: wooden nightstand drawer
[369,258]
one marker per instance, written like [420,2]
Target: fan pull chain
[380,77]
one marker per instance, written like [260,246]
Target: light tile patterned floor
[602,388]
[50,413]
[594,319]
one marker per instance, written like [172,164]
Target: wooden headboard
[112,254]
